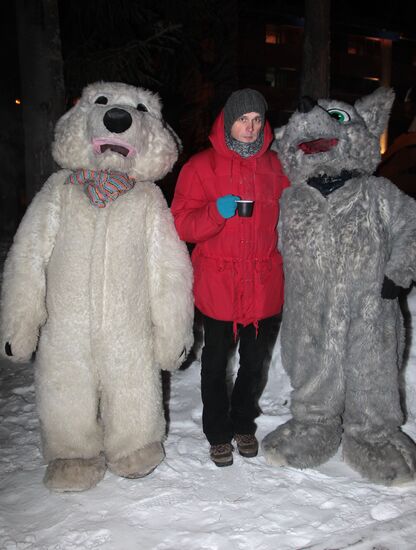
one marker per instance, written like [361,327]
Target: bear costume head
[115,126]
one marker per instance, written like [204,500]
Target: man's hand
[227,206]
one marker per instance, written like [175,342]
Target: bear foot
[389,462]
[140,462]
[74,474]
[301,445]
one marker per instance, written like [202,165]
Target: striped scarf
[101,187]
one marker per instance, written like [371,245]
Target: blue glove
[227,206]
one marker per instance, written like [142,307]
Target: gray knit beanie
[241,102]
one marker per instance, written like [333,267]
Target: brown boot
[247,445]
[222,455]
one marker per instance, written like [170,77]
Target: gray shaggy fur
[342,343]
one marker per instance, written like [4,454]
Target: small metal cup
[245,208]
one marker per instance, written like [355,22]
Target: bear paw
[139,463]
[74,474]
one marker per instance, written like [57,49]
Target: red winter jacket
[238,273]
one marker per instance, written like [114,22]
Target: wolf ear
[375,109]
[278,133]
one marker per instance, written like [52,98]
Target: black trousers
[225,413]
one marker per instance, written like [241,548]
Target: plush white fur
[103,295]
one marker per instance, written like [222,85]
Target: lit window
[355,45]
[359,45]
[274,35]
[271,34]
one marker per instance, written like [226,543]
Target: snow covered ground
[188,503]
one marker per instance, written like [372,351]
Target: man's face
[247,128]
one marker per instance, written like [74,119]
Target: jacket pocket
[214,287]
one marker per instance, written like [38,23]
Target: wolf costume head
[327,138]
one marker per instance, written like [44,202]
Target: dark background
[194,53]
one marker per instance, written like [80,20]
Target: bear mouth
[101,145]
[321,145]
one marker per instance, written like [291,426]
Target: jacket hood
[217,139]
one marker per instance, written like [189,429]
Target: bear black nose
[117,120]
[306,104]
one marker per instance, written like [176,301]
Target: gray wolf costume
[99,284]
[348,240]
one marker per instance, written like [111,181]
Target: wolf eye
[339,115]
[102,100]
[141,107]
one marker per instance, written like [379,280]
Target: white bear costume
[104,294]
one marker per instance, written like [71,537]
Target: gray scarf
[245,150]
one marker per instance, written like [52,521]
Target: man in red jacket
[238,275]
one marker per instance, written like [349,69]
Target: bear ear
[375,109]
[175,136]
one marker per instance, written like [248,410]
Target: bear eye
[339,115]
[141,107]
[102,100]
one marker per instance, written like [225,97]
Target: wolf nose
[117,120]
[306,104]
